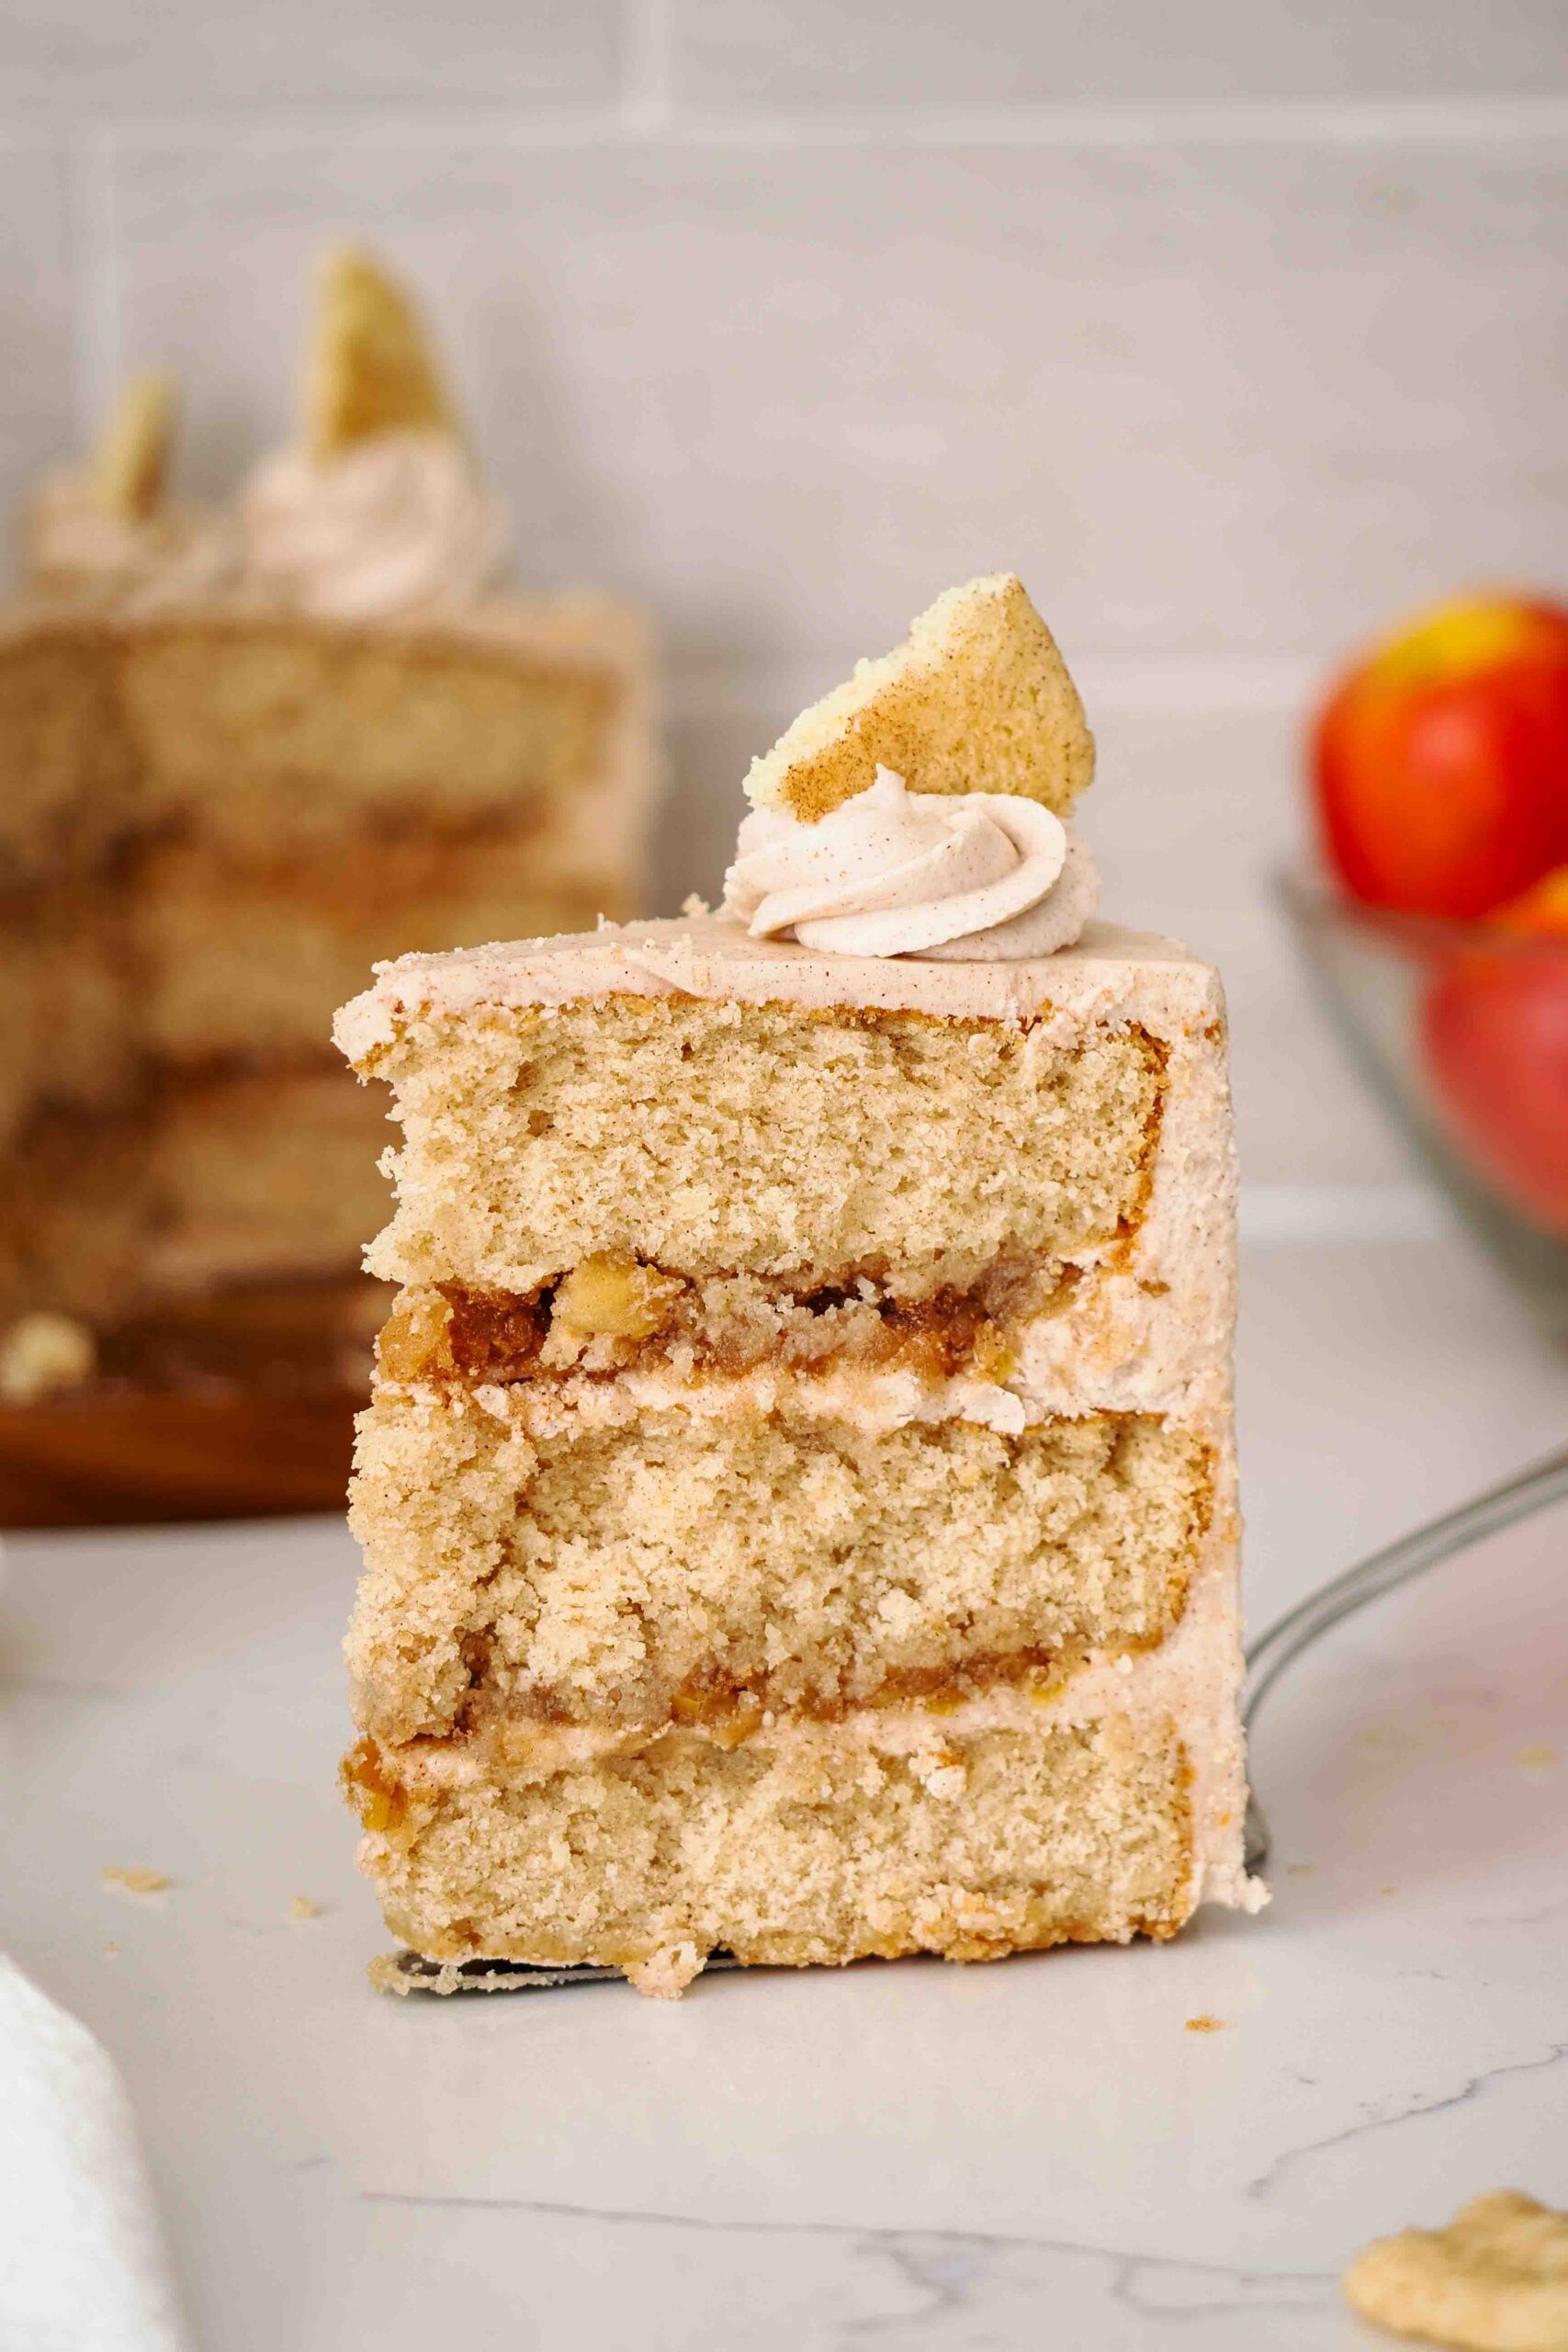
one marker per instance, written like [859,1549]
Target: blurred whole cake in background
[247,750]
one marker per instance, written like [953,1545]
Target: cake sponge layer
[995,1842]
[233,956]
[67,765]
[227,1178]
[256,1176]
[530,1561]
[258,731]
[913,1149]
[240,722]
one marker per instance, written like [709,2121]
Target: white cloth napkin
[82,2266]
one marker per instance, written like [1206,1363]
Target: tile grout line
[95,273]
[1247,122]
[648,106]
[648,112]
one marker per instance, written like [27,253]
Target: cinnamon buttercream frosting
[963,878]
[397,525]
[1111,974]
[78,547]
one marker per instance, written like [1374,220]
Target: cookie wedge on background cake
[798,1499]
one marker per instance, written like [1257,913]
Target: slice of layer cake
[798,1499]
[245,751]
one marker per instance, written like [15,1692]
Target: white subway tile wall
[113,57]
[1236,330]
[36,308]
[816,52]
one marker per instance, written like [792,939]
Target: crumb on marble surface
[1538,1756]
[1204,2023]
[136,1882]
[302,1907]
[1494,2279]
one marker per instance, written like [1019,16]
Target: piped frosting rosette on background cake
[376,509]
[379,508]
[108,535]
[923,808]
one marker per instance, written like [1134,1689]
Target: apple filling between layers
[614,1314]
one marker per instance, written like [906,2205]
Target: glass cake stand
[1422,1007]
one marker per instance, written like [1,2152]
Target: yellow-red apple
[1494,1027]
[1441,760]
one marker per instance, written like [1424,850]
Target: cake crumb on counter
[1494,2279]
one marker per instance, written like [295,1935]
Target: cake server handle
[1535,1488]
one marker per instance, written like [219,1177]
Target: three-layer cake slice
[799,1501]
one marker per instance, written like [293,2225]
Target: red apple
[1441,760]
[1494,1027]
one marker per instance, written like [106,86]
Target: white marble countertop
[915,2156]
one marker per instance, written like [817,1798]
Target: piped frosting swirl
[397,525]
[963,878]
[77,549]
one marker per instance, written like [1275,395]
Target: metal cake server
[1531,1491]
